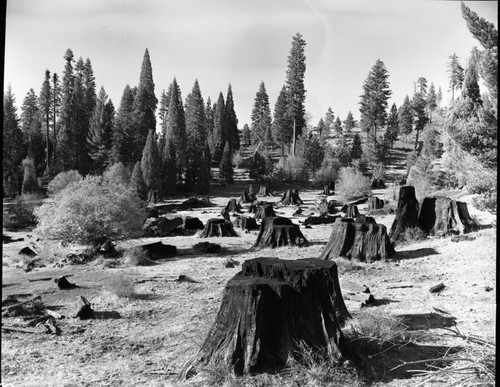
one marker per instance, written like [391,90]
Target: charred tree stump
[291,197]
[233,206]
[246,198]
[406,212]
[351,211]
[246,223]
[161,226]
[323,219]
[218,228]
[378,184]
[190,223]
[264,211]
[442,216]
[278,232]
[270,307]
[374,203]
[361,239]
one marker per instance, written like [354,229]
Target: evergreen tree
[343,152]
[321,128]
[481,29]
[356,148]
[349,123]
[329,120]
[232,135]
[392,131]
[217,139]
[470,88]
[137,181]
[418,105]
[422,87]
[337,127]
[405,117]
[296,91]
[431,101]
[31,119]
[261,117]
[45,110]
[176,128]
[456,73]
[81,101]
[30,182]
[100,136]
[169,167]
[150,163]
[246,137]
[439,97]
[282,125]
[373,104]
[314,152]
[56,104]
[209,116]
[144,107]
[123,131]
[226,165]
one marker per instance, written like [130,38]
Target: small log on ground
[406,212]
[246,223]
[246,197]
[28,307]
[277,232]
[360,239]
[374,203]
[83,309]
[64,284]
[442,216]
[190,223]
[291,197]
[265,191]
[320,220]
[218,228]
[264,211]
[352,211]
[158,250]
[270,307]
[207,247]
[233,206]
[161,226]
[191,203]
[378,184]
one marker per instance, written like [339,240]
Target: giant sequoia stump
[233,206]
[270,307]
[361,239]
[246,223]
[442,216]
[374,203]
[218,228]
[406,213]
[291,197]
[264,211]
[265,191]
[278,231]
[246,197]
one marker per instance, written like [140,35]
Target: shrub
[352,184]
[361,164]
[327,174]
[22,211]
[379,171]
[136,256]
[377,326]
[117,174]
[421,176]
[291,170]
[91,212]
[413,234]
[486,202]
[62,180]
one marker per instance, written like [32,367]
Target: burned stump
[361,239]
[378,184]
[190,223]
[374,203]
[406,212]
[264,211]
[265,191]
[268,308]
[247,197]
[246,223]
[277,231]
[291,197]
[157,250]
[207,247]
[442,216]
[233,206]
[218,228]
[351,211]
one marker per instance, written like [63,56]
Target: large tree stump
[246,197]
[233,206]
[351,211]
[374,203]
[246,223]
[218,228]
[323,219]
[291,197]
[264,211]
[190,223]
[268,309]
[278,232]
[158,250]
[406,212]
[265,191]
[191,203]
[442,216]
[378,184]
[361,239]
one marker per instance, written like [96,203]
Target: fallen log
[437,288]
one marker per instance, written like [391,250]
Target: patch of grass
[413,234]
[137,256]
[377,327]
[122,286]
[486,202]
[345,265]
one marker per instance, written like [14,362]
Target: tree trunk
[265,191]
[406,213]
[246,197]
[361,239]
[246,223]
[351,211]
[218,228]
[233,206]
[291,197]
[264,211]
[278,232]
[271,307]
[378,184]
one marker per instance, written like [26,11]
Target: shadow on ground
[413,254]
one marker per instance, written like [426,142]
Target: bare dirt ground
[146,340]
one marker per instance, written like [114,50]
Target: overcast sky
[242,42]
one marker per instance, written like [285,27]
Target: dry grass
[137,256]
[122,286]
[376,326]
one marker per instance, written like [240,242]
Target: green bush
[327,174]
[421,176]
[486,202]
[90,212]
[352,184]
[22,211]
[117,174]
[62,180]
[291,170]
[413,234]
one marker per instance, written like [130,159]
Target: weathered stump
[268,309]
[207,247]
[246,197]
[325,207]
[374,203]
[190,223]
[233,206]
[324,219]
[158,250]
[378,184]
[218,228]
[442,216]
[246,223]
[161,226]
[361,239]
[265,191]
[277,232]
[291,197]
[264,211]
[406,212]
[351,211]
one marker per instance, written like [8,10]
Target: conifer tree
[81,101]
[65,135]
[343,152]
[144,107]
[456,73]
[356,148]
[176,129]
[45,110]
[56,104]
[439,97]
[150,163]
[217,139]
[232,134]
[419,112]
[209,116]
[337,127]
[137,181]
[226,165]
[100,134]
[392,131]
[261,117]
[470,88]
[321,128]
[282,126]
[31,119]
[30,182]
[123,131]
[314,152]
[246,136]
[431,101]
[169,167]
[349,123]
[329,121]
[405,117]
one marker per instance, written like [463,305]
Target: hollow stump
[278,232]
[270,307]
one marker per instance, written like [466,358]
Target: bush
[413,234]
[91,212]
[327,174]
[136,256]
[62,180]
[421,176]
[352,184]
[117,174]
[22,211]
[291,170]
[379,171]
[486,202]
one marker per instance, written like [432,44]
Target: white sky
[242,42]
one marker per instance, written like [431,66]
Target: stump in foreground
[406,212]
[264,211]
[246,223]
[442,216]
[351,211]
[278,232]
[265,191]
[361,239]
[246,197]
[218,228]
[291,197]
[270,307]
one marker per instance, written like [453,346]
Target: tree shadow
[413,254]
[423,321]
[107,315]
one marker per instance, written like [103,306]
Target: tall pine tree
[32,121]
[261,117]
[226,165]
[405,117]
[124,131]
[349,123]
[232,135]
[150,163]
[217,139]
[392,131]
[45,102]
[456,74]
[175,133]
[282,124]
[100,136]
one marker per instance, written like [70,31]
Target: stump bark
[264,211]
[442,216]
[351,211]
[218,228]
[361,239]
[374,203]
[406,212]
[246,223]
[233,206]
[270,307]
[291,197]
[265,191]
[246,197]
[277,232]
